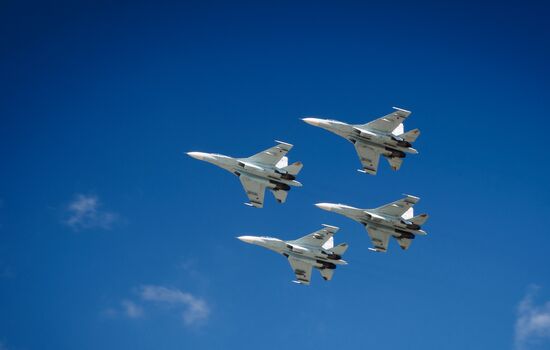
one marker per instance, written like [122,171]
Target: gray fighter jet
[267,169]
[383,136]
[395,219]
[314,250]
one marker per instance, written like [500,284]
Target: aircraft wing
[323,238]
[400,207]
[302,270]
[254,190]
[379,238]
[389,122]
[273,155]
[368,156]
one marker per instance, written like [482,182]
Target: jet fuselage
[389,145]
[401,227]
[271,177]
[318,257]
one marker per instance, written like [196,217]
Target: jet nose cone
[199,155]
[247,239]
[326,206]
[314,121]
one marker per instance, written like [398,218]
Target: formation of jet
[383,136]
[314,250]
[270,169]
[395,219]
[267,169]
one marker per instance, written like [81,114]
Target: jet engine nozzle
[280,186]
[410,225]
[285,175]
[395,153]
[405,234]
[333,256]
[401,142]
[326,265]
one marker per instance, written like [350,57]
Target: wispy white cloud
[190,266]
[195,309]
[85,212]
[533,322]
[131,309]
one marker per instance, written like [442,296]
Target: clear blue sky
[112,238]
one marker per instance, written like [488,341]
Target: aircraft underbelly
[390,229]
[263,177]
[379,144]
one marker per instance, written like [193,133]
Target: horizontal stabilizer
[340,249]
[395,163]
[294,168]
[327,274]
[404,243]
[280,195]
[410,136]
[419,219]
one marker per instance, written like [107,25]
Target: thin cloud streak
[84,212]
[131,309]
[533,322]
[196,310]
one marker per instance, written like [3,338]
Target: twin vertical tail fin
[419,219]
[291,171]
[280,195]
[340,249]
[294,168]
[410,136]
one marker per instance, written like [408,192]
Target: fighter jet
[395,219]
[314,250]
[383,136]
[267,169]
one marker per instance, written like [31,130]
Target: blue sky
[111,237]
